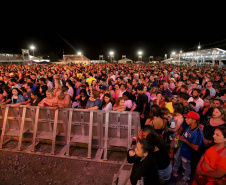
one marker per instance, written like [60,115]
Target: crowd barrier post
[106,136]
[69,131]
[2,113]
[22,128]
[5,120]
[100,137]
[80,137]
[54,131]
[90,135]
[35,115]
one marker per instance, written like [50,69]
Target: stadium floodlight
[111,53]
[79,53]
[140,52]
[199,47]
[111,56]
[140,55]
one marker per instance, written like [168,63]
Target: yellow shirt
[169,106]
[79,74]
[90,79]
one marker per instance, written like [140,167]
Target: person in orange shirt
[212,165]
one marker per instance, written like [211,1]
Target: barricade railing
[99,128]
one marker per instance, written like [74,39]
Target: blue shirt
[195,137]
[167,92]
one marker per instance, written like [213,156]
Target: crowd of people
[182,110]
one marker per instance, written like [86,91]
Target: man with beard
[195,98]
[209,86]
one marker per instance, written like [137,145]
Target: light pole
[199,46]
[111,56]
[32,48]
[80,54]
[140,55]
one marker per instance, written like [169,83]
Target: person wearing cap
[191,139]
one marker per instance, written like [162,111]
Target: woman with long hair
[205,93]
[83,98]
[48,101]
[153,93]
[119,104]
[177,117]
[218,118]
[117,91]
[159,101]
[211,168]
[94,101]
[70,85]
[107,105]
[6,97]
[35,99]
[57,87]
[17,98]
[158,119]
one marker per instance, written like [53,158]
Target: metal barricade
[119,128]
[95,128]
[83,127]
[13,124]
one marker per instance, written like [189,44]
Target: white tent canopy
[125,60]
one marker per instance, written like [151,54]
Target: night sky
[95,30]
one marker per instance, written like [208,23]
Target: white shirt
[108,107]
[121,94]
[199,103]
[49,85]
[128,104]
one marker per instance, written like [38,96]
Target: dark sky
[156,30]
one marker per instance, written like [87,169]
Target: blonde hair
[118,100]
[49,91]
[95,93]
[157,89]
[57,81]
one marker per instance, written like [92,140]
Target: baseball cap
[102,87]
[192,114]
[175,97]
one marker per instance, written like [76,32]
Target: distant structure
[213,56]
[125,60]
[9,58]
[76,59]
